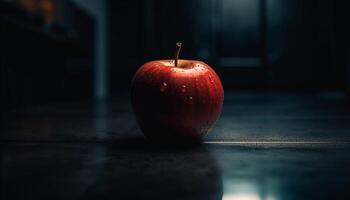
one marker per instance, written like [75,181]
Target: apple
[176,101]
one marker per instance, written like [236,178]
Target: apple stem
[177,52]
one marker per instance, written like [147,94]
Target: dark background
[95,47]
[254,44]
[67,130]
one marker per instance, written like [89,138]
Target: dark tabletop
[266,146]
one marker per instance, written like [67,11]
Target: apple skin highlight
[176,104]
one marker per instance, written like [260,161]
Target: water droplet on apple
[163,87]
[189,99]
[183,88]
[211,79]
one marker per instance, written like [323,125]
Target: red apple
[176,100]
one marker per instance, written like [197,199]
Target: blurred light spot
[245,197]
[240,197]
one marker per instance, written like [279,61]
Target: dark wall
[41,62]
[342,39]
[257,44]
[252,44]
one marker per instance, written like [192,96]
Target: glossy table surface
[266,146]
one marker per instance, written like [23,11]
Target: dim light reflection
[241,197]
[245,197]
[249,188]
